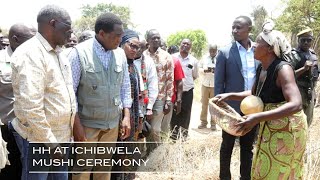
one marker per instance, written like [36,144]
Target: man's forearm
[179,89]
[126,112]
[170,79]
[76,120]
[169,88]
[300,71]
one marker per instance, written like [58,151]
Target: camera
[190,66]
[210,69]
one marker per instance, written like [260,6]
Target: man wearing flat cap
[305,62]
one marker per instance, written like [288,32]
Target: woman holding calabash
[283,127]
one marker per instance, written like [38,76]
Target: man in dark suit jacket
[235,72]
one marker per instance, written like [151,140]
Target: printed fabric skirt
[280,148]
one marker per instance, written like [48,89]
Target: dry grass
[312,155]
[198,158]
[193,159]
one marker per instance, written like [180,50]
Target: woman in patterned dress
[131,45]
[283,127]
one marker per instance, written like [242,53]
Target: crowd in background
[112,85]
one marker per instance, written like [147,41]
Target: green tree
[198,38]
[298,15]
[259,15]
[90,14]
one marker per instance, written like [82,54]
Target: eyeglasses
[133,46]
[66,25]
[63,23]
[304,40]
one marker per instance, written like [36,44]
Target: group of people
[100,87]
[104,85]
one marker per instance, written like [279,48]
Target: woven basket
[225,116]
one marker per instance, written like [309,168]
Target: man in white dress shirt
[180,122]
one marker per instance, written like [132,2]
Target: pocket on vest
[118,74]
[93,75]
[114,114]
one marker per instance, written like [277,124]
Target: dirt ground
[198,157]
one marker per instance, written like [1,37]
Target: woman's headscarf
[127,35]
[275,38]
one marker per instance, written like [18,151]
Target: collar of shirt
[97,44]
[153,54]
[98,48]
[211,59]
[184,59]
[9,52]
[46,44]
[241,48]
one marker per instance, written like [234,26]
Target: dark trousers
[180,123]
[246,146]
[13,171]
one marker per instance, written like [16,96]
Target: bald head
[19,33]
[213,50]
[213,46]
[85,35]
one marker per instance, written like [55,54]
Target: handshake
[209,70]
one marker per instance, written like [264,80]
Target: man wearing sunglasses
[305,62]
